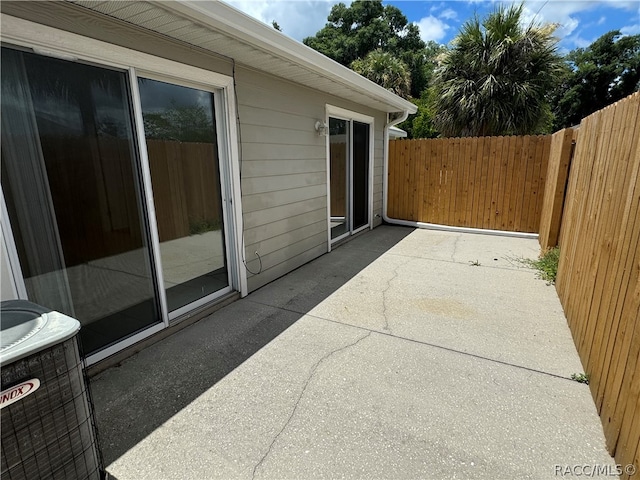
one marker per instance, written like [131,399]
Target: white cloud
[579,41]
[432,28]
[449,14]
[562,17]
[437,7]
[298,19]
[565,13]
[631,29]
[601,20]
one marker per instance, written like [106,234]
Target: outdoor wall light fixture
[322,128]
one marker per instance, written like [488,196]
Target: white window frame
[350,116]
[53,42]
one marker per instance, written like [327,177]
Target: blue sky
[579,22]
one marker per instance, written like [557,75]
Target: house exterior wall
[283,160]
[284,172]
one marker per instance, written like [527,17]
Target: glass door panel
[360,174]
[339,175]
[180,131]
[71,181]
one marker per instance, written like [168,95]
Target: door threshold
[348,238]
[175,326]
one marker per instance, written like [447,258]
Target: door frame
[48,41]
[350,116]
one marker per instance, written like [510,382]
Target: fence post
[554,190]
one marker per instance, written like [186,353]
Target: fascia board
[236,24]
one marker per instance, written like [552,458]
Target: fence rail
[599,272]
[485,182]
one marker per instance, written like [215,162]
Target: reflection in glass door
[339,166]
[71,183]
[360,175]
[180,131]
[349,159]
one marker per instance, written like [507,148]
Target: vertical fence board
[541,176]
[416,155]
[506,186]
[478,184]
[467,182]
[452,192]
[470,181]
[553,200]
[504,173]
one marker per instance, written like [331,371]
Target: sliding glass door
[360,175]
[349,168]
[71,183]
[339,153]
[114,191]
[180,132]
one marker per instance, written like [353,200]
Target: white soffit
[221,29]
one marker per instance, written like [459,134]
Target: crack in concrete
[304,389]
[387,327]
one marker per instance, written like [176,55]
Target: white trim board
[70,46]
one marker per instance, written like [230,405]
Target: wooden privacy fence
[91,181]
[186,187]
[484,182]
[98,174]
[599,272]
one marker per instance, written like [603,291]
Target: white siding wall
[284,172]
[283,159]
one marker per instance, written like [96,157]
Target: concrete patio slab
[391,357]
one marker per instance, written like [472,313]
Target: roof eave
[237,24]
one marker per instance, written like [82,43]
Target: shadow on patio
[136,397]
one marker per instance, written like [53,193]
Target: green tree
[422,63]
[180,123]
[495,79]
[420,124]
[599,75]
[385,70]
[351,33]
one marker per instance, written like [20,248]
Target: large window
[114,190]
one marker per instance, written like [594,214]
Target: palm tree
[495,79]
[386,70]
